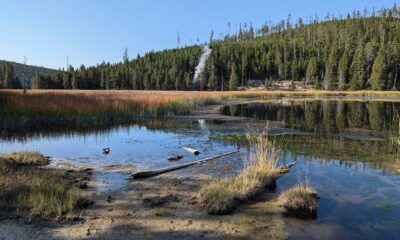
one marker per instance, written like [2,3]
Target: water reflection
[57,132]
[324,116]
[348,158]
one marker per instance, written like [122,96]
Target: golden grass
[260,171]
[300,200]
[29,192]
[25,158]
[89,107]
[94,107]
[101,107]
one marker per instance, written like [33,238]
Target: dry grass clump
[300,200]
[29,192]
[25,158]
[260,171]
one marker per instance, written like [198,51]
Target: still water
[348,153]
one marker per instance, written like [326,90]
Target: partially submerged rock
[175,157]
[300,201]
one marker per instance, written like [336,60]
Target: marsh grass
[25,158]
[95,107]
[260,171]
[101,107]
[30,192]
[300,200]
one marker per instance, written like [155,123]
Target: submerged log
[192,151]
[173,168]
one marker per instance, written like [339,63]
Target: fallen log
[192,151]
[173,168]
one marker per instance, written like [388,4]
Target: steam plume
[202,62]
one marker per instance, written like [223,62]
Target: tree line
[358,51]
[7,78]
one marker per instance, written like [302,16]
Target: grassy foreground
[29,192]
[99,107]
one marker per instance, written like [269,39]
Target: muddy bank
[163,207]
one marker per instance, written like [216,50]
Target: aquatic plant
[300,200]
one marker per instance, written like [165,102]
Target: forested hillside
[13,74]
[358,51]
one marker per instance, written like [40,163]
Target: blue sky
[92,31]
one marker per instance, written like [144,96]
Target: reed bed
[260,171]
[29,192]
[100,107]
[300,200]
[95,107]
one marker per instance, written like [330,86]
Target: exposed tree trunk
[153,173]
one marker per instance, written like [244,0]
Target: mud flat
[163,207]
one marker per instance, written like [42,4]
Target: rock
[86,178]
[83,185]
[110,199]
[83,203]
[175,157]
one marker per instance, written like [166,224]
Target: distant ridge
[30,70]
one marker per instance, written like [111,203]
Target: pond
[349,154]
[324,116]
[346,149]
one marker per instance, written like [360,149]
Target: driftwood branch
[173,168]
[192,151]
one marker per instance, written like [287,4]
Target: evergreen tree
[212,81]
[74,81]
[233,79]
[312,72]
[378,75]
[331,69]
[67,81]
[188,81]
[125,57]
[343,70]
[358,69]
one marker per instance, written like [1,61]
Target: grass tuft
[300,200]
[260,171]
[25,158]
[29,192]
